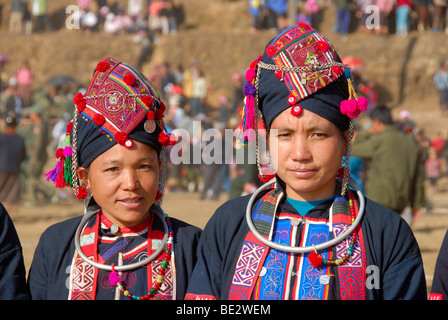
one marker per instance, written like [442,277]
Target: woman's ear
[83,175]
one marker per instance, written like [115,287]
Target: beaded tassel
[116,281]
[316,259]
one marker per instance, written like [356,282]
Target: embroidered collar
[138,229]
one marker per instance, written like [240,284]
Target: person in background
[343,18]
[402,12]
[24,82]
[36,141]
[16,17]
[395,176]
[441,82]
[11,157]
[40,14]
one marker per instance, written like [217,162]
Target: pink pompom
[250,75]
[68,152]
[350,108]
[114,278]
[363,103]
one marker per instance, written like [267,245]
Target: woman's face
[124,182]
[306,152]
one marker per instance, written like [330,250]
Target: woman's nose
[130,180]
[300,149]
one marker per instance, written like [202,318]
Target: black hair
[382,114]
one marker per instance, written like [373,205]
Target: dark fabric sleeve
[185,248]
[218,251]
[393,251]
[440,280]
[48,274]
[37,279]
[12,268]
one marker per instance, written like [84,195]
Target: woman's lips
[131,203]
[302,173]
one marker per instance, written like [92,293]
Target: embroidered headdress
[120,106]
[300,69]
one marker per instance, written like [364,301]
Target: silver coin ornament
[150,126]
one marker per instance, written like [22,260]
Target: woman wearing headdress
[308,232]
[124,246]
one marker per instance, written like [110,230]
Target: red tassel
[60,180]
[315,259]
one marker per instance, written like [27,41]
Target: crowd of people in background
[387,16]
[112,17]
[163,16]
[39,113]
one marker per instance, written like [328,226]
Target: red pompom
[151,115]
[323,46]
[303,25]
[159,114]
[81,106]
[69,128]
[121,138]
[103,66]
[336,69]
[159,195]
[279,74]
[315,259]
[82,193]
[80,102]
[129,144]
[166,140]
[59,153]
[129,79]
[292,100]
[162,106]
[270,50]
[266,178]
[296,110]
[79,97]
[99,120]
[255,62]
[148,100]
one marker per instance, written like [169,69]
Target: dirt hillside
[216,33]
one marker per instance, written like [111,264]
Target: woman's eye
[320,135]
[112,169]
[283,135]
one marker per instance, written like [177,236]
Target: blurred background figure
[37,137]
[441,82]
[12,155]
